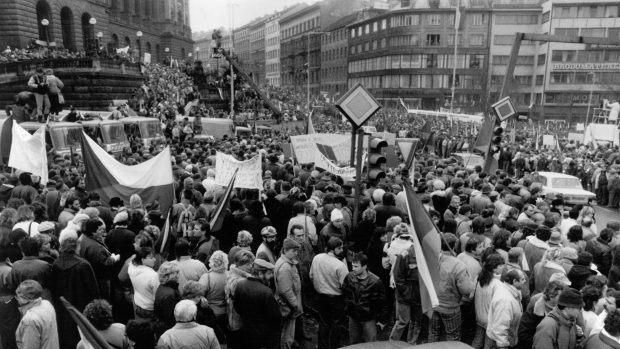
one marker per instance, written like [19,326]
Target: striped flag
[220,210]
[427,247]
[152,179]
[403,103]
[165,236]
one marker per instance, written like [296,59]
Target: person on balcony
[39,85]
[613,113]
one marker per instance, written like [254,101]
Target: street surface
[604,215]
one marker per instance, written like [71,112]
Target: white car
[569,186]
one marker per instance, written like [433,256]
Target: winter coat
[235,275]
[364,299]
[534,249]
[74,279]
[38,328]
[259,312]
[504,315]
[601,254]
[555,332]
[482,301]
[166,298]
[454,283]
[97,255]
[407,278]
[288,286]
[532,316]
[188,335]
[35,269]
[578,275]
[602,341]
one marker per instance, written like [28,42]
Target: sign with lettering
[305,146]
[585,66]
[249,174]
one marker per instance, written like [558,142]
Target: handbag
[61,99]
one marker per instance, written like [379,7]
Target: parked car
[568,186]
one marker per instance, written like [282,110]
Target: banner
[249,173]
[347,173]
[305,146]
[549,140]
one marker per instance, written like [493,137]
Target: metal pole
[308,74]
[232,72]
[358,176]
[353,134]
[590,99]
[456,43]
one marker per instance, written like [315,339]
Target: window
[403,40]
[476,40]
[478,19]
[359,48]
[503,39]
[612,11]
[525,60]
[367,30]
[359,31]
[524,80]
[546,16]
[434,19]
[451,39]
[375,44]
[383,24]
[516,19]
[352,50]
[476,61]
[497,79]
[542,59]
[353,33]
[501,60]
[433,40]
[366,46]
[593,32]
[375,27]
[561,78]
[395,62]
[383,43]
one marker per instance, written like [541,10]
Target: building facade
[300,33]
[82,25]
[257,50]
[576,71]
[526,91]
[272,50]
[408,53]
[334,55]
[241,46]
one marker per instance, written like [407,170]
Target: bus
[110,134]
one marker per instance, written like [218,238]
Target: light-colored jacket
[288,285]
[454,283]
[482,301]
[234,276]
[188,335]
[54,84]
[37,329]
[505,315]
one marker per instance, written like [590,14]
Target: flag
[165,236]
[218,218]
[152,179]
[6,130]
[485,135]
[427,247]
[403,103]
[28,151]
[328,151]
[457,17]
[88,332]
[310,128]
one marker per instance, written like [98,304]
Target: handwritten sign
[249,175]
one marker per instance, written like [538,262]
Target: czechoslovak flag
[152,179]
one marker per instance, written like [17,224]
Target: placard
[549,140]
[305,146]
[249,175]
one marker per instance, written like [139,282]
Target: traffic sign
[504,108]
[358,105]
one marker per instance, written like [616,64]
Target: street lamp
[45,23]
[592,75]
[139,35]
[92,21]
[98,43]
[167,50]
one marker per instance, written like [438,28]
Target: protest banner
[249,174]
[549,140]
[347,173]
[305,146]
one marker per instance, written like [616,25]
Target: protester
[187,333]
[37,328]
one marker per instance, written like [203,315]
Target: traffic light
[496,140]
[376,158]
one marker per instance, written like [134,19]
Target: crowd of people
[35,52]
[291,267]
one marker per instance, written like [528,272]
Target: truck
[148,130]
[63,137]
[110,134]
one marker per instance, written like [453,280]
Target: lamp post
[45,23]
[92,21]
[139,35]
[592,75]
[98,43]
[167,50]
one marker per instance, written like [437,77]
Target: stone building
[111,24]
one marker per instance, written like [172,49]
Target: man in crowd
[37,328]
[559,328]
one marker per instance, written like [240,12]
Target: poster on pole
[249,175]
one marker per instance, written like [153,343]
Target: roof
[36,125]
[556,175]
[343,22]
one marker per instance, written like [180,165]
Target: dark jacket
[35,269]
[578,275]
[407,278]
[555,332]
[166,297]
[9,308]
[386,211]
[364,300]
[205,316]
[360,237]
[74,279]
[256,305]
[120,241]
[601,254]
[97,255]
